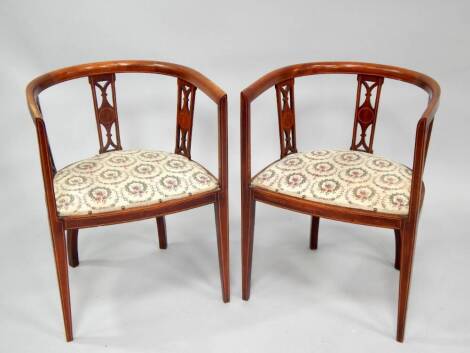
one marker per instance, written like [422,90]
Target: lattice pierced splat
[106,112]
[286,116]
[366,113]
[184,117]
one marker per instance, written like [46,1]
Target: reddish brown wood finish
[221,217]
[248,228]
[72,246]
[314,224]
[184,117]
[286,116]
[366,112]
[161,229]
[101,76]
[106,114]
[370,76]
[397,248]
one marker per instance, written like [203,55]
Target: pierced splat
[366,113]
[105,112]
[286,116]
[184,117]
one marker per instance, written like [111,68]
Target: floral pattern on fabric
[123,179]
[344,178]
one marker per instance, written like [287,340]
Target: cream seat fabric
[124,179]
[343,178]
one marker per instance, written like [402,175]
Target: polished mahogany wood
[322,210]
[370,78]
[365,116]
[105,112]
[397,249]
[221,223]
[161,230]
[286,116]
[141,212]
[314,224]
[72,246]
[60,255]
[248,227]
[184,117]
[102,77]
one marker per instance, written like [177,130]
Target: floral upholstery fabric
[124,179]
[343,178]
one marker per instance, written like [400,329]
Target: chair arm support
[245,142]
[223,144]
[47,167]
[423,131]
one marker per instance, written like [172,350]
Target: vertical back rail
[105,112]
[286,116]
[184,117]
[366,112]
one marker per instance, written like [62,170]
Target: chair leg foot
[222,230]
[60,256]
[161,230]
[72,246]
[397,248]
[408,236]
[248,226]
[314,232]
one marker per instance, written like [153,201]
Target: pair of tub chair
[119,185]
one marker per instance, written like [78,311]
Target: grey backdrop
[129,296]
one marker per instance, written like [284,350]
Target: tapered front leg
[221,224]
[161,230]
[60,255]
[408,236]
[72,246]
[248,227]
[397,248]
[314,232]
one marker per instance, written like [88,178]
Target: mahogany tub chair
[118,185]
[352,185]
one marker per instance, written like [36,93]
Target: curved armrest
[194,77]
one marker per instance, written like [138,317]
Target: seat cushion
[343,178]
[124,179]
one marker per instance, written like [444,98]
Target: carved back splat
[106,113]
[366,113]
[286,116]
[184,117]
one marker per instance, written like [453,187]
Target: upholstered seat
[124,179]
[343,178]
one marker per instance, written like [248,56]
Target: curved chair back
[370,79]
[102,79]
